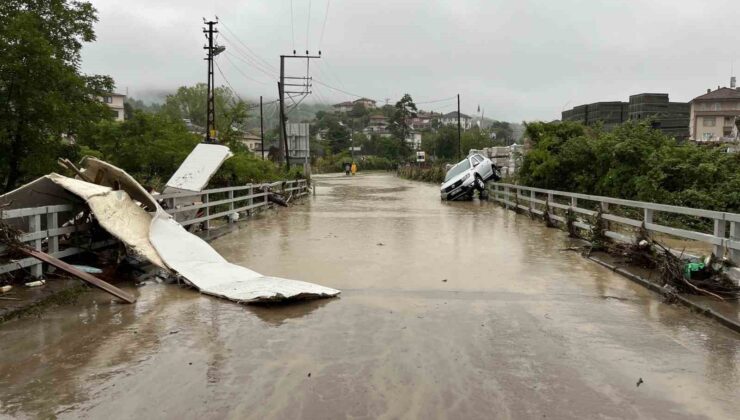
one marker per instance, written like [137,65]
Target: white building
[414,140]
[451,119]
[115,103]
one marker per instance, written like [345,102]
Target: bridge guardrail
[721,239]
[44,233]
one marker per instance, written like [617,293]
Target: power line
[244,74]
[308,24]
[339,90]
[292,27]
[227,82]
[433,101]
[323,27]
[257,56]
[249,60]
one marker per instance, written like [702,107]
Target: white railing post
[231,200]
[507,197]
[647,218]
[52,222]
[34,226]
[605,210]
[573,202]
[207,224]
[531,201]
[250,201]
[735,236]
[719,231]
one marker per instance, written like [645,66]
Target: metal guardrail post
[507,197]
[648,216]
[207,223]
[532,205]
[735,236]
[573,202]
[34,226]
[605,210]
[231,198]
[720,226]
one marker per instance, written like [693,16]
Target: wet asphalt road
[448,310]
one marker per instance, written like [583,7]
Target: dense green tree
[404,111]
[632,161]
[43,95]
[149,146]
[189,102]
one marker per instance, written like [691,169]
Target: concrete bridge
[448,310]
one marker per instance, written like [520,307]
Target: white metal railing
[42,230]
[534,201]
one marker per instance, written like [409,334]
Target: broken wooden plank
[100,284]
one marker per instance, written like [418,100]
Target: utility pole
[212,51]
[262,131]
[459,130]
[306,85]
[283,131]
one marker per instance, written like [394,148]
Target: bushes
[427,174]
[335,163]
[633,162]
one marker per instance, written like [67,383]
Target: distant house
[377,124]
[349,105]
[343,106]
[451,119]
[414,140]
[715,116]
[424,120]
[115,103]
[252,142]
[367,103]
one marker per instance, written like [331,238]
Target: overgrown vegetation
[433,173]
[633,161]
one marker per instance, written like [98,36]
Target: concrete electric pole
[211,51]
[282,91]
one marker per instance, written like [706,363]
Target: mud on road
[448,310]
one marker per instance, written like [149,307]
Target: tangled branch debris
[677,272]
[10,237]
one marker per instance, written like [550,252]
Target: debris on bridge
[129,213]
[680,273]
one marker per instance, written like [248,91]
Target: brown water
[519,329]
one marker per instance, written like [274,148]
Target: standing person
[354,168]
[347,168]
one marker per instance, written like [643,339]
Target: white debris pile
[129,213]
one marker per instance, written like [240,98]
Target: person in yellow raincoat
[354,168]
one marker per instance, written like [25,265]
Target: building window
[709,121]
[108,99]
[708,136]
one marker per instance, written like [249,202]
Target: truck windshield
[457,169]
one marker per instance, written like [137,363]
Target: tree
[189,102]
[149,146]
[43,95]
[404,111]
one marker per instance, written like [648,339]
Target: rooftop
[720,93]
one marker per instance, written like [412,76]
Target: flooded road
[448,310]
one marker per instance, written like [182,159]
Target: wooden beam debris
[89,278]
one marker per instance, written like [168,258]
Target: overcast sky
[518,59]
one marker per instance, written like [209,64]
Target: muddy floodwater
[448,310]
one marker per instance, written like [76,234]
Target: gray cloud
[520,60]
